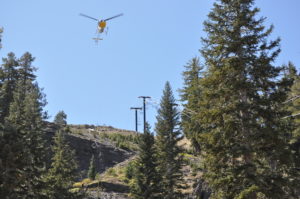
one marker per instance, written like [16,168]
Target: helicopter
[101,26]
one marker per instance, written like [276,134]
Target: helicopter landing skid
[97,39]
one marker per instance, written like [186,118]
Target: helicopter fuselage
[101,26]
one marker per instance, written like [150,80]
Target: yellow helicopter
[101,26]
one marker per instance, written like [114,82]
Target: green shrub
[126,142]
[130,170]
[112,172]
[98,176]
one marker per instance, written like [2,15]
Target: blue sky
[149,45]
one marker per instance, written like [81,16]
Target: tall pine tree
[168,151]
[63,169]
[293,106]
[26,115]
[8,78]
[145,184]
[190,95]
[245,151]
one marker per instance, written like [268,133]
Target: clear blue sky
[149,45]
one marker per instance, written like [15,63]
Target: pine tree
[63,169]
[92,169]
[293,102]
[146,178]
[26,70]
[26,115]
[60,119]
[245,151]
[293,106]
[168,151]
[190,94]
[8,79]
[12,161]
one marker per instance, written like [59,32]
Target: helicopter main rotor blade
[83,15]
[113,17]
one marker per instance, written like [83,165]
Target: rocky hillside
[113,149]
[89,140]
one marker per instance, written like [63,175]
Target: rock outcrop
[106,155]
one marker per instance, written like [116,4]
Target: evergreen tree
[190,94]
[245,152]
[12,161]
[168,151]
[21,116]
[293,105]
[146,178]
[92,169]
[294,99]
[61,119]
[8,79]
[26,115]
[26,70]
[62,173]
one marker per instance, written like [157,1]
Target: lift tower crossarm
[136,116]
